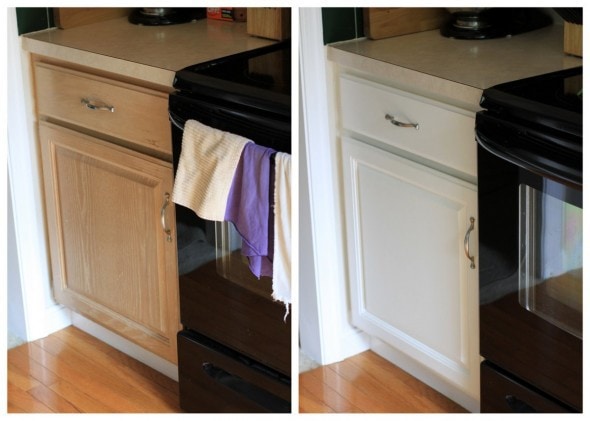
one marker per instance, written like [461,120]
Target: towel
[207,165]
[282,229]
[248,206]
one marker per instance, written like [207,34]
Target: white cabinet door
[412,285]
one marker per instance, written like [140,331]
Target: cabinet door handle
[466,242]
[97,105]
[163,217]
[399,123]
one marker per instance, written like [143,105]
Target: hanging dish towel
[206,167]
[248,207]
[282,229]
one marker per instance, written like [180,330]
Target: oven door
[530,236]
[219,295]
[199,241]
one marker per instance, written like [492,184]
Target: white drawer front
[443,135]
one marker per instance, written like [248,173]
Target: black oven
[234,351]
[530,232]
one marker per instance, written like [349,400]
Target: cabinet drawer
[445,134]
[138,115]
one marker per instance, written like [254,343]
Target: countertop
[456,70]
[150,53]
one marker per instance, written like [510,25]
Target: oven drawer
[116,109]
[503,394]
[214,378]
[445,134]
[239,318]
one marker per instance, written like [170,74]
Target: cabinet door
[111,259]
[412,285]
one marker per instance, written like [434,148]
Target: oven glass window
[232,264]
[550,276]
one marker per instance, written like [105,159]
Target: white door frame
[325,332]
[42,315]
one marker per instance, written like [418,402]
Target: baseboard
[157,363]
[424,375]
[353,342]
[56,317]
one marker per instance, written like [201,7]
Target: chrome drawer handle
[97,105]
[163,217]
[466,243]
[399,123]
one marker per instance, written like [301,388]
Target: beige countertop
[454,69]
[150,53]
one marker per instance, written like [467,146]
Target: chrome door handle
[95,105]
[163,217]
[466,242]
[399,123]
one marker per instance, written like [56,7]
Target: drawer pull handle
[163,217]
[399,123]
[94,106]
[466,243]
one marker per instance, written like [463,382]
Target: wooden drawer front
[255,326]
[445,134]
[140,115]
[215,379]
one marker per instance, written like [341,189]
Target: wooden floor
[71,371]
[368,383]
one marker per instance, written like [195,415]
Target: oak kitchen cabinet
[106,155]
[408,169]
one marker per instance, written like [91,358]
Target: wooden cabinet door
[111,259]
[412,285]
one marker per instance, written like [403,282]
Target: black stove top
[263,73]
[553,100]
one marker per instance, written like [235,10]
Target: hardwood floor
[368,383]
[71,371]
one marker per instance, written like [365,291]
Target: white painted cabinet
[409,229]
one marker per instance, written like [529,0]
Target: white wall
[16,314]
[309,339]
[325,333]
[29,272]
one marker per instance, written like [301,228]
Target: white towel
[282,230]
[206,168]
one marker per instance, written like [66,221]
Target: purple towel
[248,206]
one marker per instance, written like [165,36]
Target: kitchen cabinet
[106,156]
[410,202]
